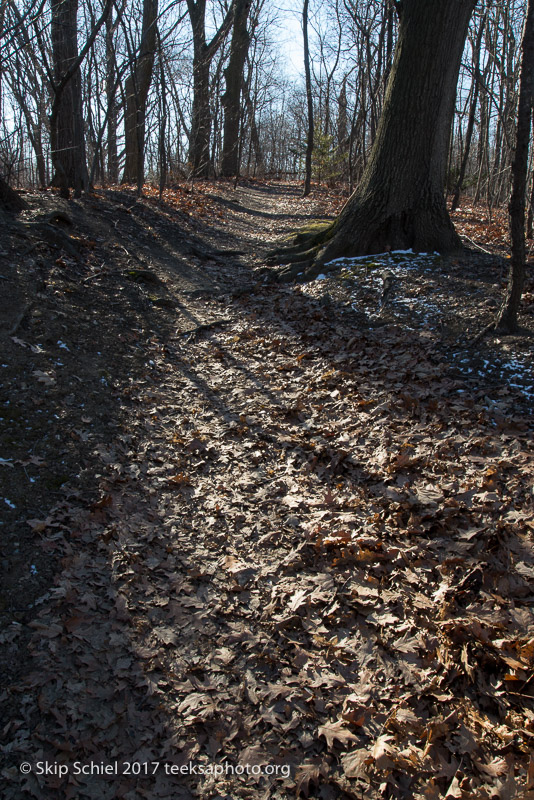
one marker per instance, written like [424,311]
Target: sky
[290,35]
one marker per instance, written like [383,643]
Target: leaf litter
[311,549]
[424,295]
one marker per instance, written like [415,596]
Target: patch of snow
[9,503]
[514,372]
[370,257]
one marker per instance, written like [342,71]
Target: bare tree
[508,315]
[309,101]
[472,112]
[234,78]
[203,54]
[111,98]
[136,91]
[400,202]
[66,119]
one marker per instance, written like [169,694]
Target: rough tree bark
[400,203]
[203,54]
[259,167]
[507,320]
[10,200]
[112,153]
[231,98]
[136,91]
[66,119]
[67,141]
[309,102]
[342,119]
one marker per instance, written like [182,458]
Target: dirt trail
[300,559]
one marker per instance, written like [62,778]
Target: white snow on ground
[376,257]
[425,310]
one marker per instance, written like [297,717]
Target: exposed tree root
[498,326]
[300,271]
[275,255]
[56,237]
[323,255]
[305,244]
[205,326]
[316,232]
[299,257]
[368,226]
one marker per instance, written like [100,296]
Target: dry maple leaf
[254,756]
[429,495]
[166,635]
[380,752]
[38,525]
[354,763]
[309,774]
[336,731]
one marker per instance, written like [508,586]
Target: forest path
[299,561]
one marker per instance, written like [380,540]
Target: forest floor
[257,540]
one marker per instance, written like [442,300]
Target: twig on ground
[100,272]
[477,246]
[205,326]
[478,338]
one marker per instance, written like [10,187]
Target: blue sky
[290,35]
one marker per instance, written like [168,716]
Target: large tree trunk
[309,102]
[203,53]
[199,140]
[233,75]
[400,201]
[9,199]
[507,318]
[136,91]
[342,120]
[66,120]
[111,88]
[259,166]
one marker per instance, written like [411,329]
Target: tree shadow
[132,650]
